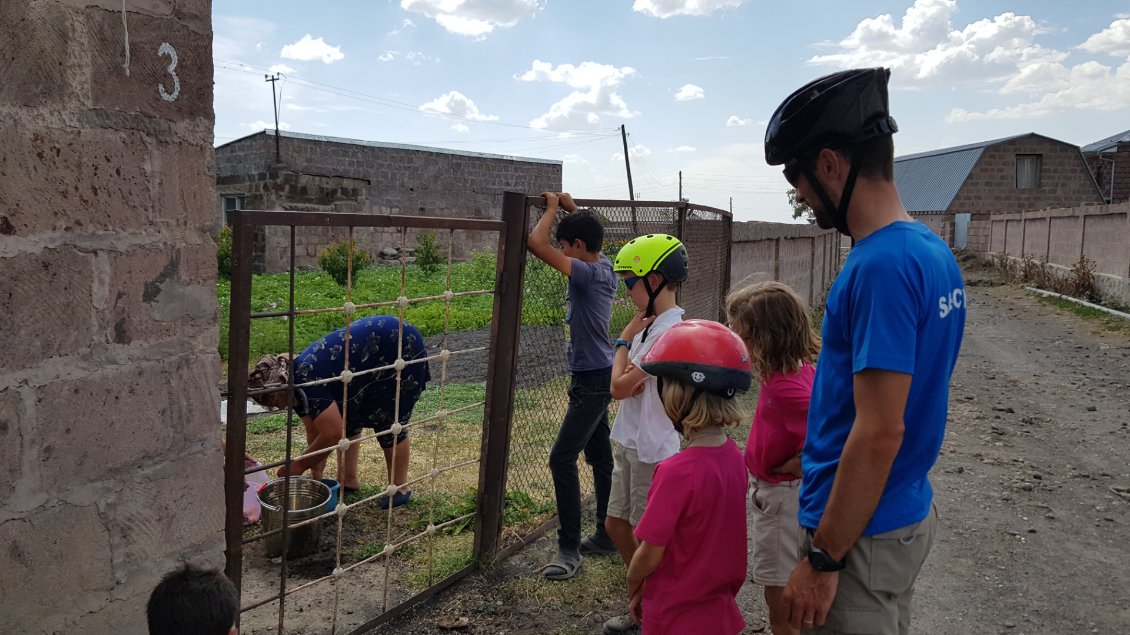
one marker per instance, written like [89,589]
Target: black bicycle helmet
[840,111]
[847,108]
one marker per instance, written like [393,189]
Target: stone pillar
[109,432]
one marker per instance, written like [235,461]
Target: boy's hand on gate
[550,201]
[567,203]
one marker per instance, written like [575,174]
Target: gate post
[502,362]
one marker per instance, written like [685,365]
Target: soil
[1032,489]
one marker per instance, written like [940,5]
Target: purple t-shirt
[588,309]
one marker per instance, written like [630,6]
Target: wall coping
[752,231]
[1091,209]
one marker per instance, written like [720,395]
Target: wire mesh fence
[479,434]
[543,374]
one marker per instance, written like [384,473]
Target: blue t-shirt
[588,310]
[897,305]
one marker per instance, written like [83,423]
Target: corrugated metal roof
[1110,143]
[928,181]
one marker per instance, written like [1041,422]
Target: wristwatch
[623,342]
[821,561]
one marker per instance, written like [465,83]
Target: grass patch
[601,581]
[1106,321]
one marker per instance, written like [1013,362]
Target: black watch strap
[821,561]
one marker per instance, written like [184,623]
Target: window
[231,203]
[1028,171]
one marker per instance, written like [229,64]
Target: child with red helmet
[691,559]
[774,323]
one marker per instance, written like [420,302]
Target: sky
[692,81]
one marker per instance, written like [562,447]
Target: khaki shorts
[775,534]
[631,479]
[875,589]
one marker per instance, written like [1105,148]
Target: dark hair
[875,158]
[581,225]
[193,601]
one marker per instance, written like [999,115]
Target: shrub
[223,253]
[334,260]
[427,253]
[1081,284]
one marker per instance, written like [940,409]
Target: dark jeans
[585,428]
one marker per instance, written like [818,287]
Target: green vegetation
[223,253]
[334,260]
[1105,320]
[428,257]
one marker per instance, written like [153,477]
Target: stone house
[312,173]
[948,187]
[1109,161]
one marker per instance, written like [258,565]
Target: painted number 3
[167,49]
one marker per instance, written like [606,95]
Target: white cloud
[311,48]
[299,108]
[636,152]
[416,58]
[689,92]
[574,158]
[404,25]
[1087,86]
[1113,40]
[595,96]
[712,58]
[927,47]
[684,149]
[735,120]
[260,125]
[668,8]
[281,68]
[456,104]
[474,18]
[232,36]
[461,128]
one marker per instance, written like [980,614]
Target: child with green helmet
[652,267]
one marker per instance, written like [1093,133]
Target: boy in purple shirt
[588,310]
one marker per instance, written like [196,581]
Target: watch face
[822,561]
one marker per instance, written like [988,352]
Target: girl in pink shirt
[691,560]
[774,323]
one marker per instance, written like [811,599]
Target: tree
[800,210]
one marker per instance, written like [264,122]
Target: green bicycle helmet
[654,252]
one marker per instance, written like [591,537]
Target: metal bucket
[308,499]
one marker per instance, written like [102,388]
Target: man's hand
[296,469]
[636,326]
[792,466]
[808,596]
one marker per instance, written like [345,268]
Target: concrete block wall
[1113,164]
[1101,233]
[324,174]
[1065,179]
[109,439]
[979,235]
[804,257]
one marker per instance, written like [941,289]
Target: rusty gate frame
[501,359]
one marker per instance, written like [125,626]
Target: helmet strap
[651,296]
[837,212]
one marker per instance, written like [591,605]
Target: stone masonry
[344,175]
[110,448]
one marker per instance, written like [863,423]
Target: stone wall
[109,438]
[1116,165]
[1065,180]
[804,257]
[1101,233]
[338,175]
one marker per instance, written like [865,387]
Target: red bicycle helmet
[704,354]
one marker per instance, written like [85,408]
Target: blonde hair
[706,411]
[774,322]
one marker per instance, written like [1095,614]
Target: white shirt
[641,422]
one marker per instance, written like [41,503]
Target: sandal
[595,545]
[560,568]
[398,499]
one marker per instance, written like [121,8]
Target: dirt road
[1034,535]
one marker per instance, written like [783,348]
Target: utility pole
[627,164]
[680,186]
[731,207]
[275,102]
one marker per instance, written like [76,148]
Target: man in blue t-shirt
[588,310]
[892,330]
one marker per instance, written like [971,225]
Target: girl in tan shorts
[774,323]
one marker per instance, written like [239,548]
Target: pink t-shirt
[696,510]
[780,422]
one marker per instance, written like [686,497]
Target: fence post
[502,362]
[681,234]
[729,238]
[238,342]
